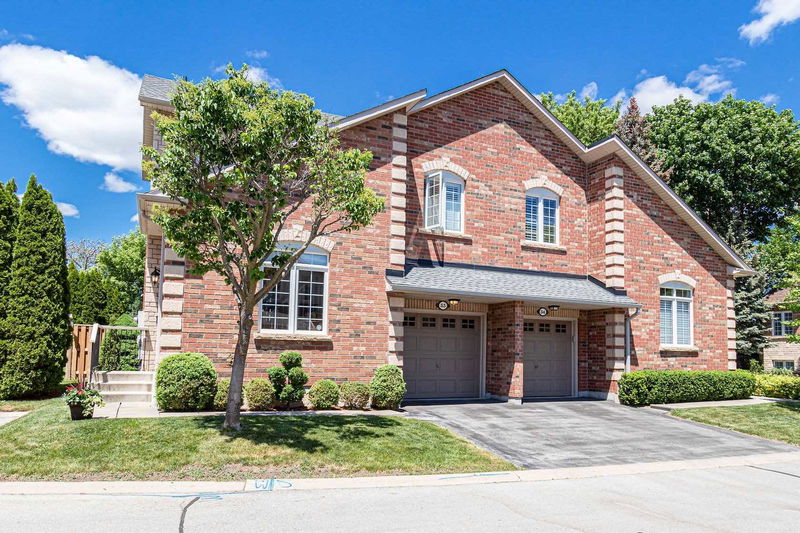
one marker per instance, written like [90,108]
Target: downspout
[628,319]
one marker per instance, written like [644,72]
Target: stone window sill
[306,337]
[679,348]
[543,246]
[447,234]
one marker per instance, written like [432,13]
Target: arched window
[541,216]
[298,303]
[444,201]
[676,314]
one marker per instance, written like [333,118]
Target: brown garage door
[548,358]
[442,356]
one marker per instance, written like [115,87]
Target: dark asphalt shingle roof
[468,280]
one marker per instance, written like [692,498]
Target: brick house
[780,353]
[511,261]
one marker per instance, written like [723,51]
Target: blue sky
[69,71]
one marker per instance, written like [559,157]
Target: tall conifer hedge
[9,207]
[38,299]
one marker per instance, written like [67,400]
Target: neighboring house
[508,263]
[780,353]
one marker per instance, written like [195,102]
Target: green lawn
[776,421]
[26,405]
[45,444]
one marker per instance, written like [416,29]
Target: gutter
[628,319]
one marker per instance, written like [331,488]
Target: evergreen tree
[9,207]
[38,299]
[116,302]
[119,350]
[634,129]
[75,299]
[93,298]
[752,312]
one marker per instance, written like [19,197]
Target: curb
[214,489]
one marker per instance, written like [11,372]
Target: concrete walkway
[148,410]
[9,416]
[755,400]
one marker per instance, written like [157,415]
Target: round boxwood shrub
[354,395]
[324,394]
[260,394]
[185,382]
[221,397]
[387,387]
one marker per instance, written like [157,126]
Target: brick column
[615,228]
[396,316]
[505,351]
[615,347]
[397,203]
[731,319]
[170,324]
[150,303]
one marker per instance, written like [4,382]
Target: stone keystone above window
[302,235]
[676,276]
[544,183]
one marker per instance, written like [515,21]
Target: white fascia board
[404,102]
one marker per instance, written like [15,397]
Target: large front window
[297,304]
[676,315]
[781,323]
[444,202]
[541,216]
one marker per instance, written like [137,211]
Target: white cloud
[257,74]
[134,219]
[661,91]
[86,108]
[257,54]
[773,13]
[68,210]
[6,35]
[113,183]
[620,96]
[770,98]
[701,84]
[589,90]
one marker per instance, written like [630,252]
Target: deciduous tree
[123,262]
[83,253]
[241,160]
[589,120]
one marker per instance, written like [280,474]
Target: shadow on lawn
[309,433]
[792,406]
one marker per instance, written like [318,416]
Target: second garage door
[442,356]
[548,359]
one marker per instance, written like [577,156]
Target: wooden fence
[82,355]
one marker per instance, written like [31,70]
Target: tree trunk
[233,411]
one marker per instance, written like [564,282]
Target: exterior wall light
[453,301]
[154,275]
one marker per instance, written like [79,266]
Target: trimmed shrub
[221,396]
[185,382]
[260,394]
[755,366]
[288,380]
[118,350]
[387,387]
[780,372]
[354,395]
[775,386]
[324,394]
[645,387]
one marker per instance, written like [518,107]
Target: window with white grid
[676,316]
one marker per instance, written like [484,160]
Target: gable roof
[588,154]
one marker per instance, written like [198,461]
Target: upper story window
[444,202]
[541,216]
[298,303]
[781,323]
[676,314]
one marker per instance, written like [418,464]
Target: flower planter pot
[76,412]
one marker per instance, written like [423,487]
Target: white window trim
[784,325]
[293,281]
[541,194]
[675,300]
[445,177]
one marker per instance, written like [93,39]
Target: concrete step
[118,376]
[117,396]
[126,386]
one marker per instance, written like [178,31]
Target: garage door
[442,356]
[548,358]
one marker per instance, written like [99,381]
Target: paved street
[760,497]
[561,434]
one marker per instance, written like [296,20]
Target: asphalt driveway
[587,433]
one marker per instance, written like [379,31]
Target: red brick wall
[494,137]
[505,349]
